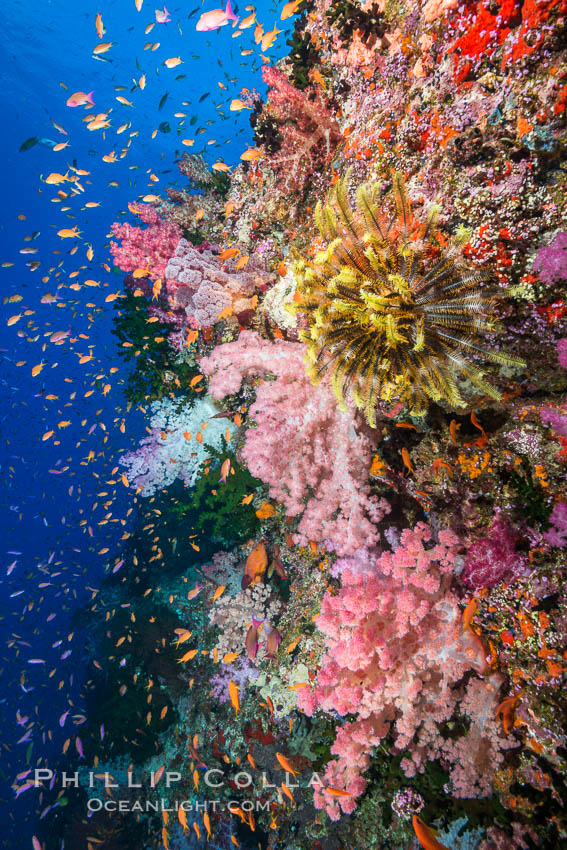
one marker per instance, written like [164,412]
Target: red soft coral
[309,133]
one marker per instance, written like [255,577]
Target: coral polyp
[393,316]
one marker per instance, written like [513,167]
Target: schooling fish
[80,98]
[216,18]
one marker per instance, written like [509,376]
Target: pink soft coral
[309,134]
[146,249]
[395,651]
[303,447]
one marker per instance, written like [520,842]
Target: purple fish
[25,787]
[25,738]
[251,642]
[79,747]
[273,641]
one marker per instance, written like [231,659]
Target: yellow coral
[391,317]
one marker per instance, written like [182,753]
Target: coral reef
[386,323]
[324,454]
[177,445]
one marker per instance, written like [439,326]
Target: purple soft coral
[493,558]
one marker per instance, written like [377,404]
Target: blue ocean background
[50,528]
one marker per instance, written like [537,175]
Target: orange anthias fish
[407,460]
[80,98]
[228,253]
[507,709]
[251,155]
[469,613]
[426,836]
[225,469]
[290,9]
[233,694]
[284,762]
[100,30]
[256,565]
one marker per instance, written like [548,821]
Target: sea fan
[392,315]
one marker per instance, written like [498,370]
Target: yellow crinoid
[392,316]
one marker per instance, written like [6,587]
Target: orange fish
[440,462]
[426,836]
[285,764]
[251,155]
[225,469]
[453,428]
[233,693]
[228,253]
[100,30]
[256,564]
[507,709]
[477,424]
[469,612]
[290,9]
[219,592]
[407,460]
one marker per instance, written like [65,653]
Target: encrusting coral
[392,316]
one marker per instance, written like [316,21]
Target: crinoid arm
[391,316]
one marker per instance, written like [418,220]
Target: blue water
[48,523]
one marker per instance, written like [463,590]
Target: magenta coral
[557,534]
[551,261]
[148,248]
[303,447]
[395,650]
[309,133]
[493,558]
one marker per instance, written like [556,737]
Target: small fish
[469,613]
[80,98]
[69,232]
[225,469]
[29,143]
[221,166]
[285,764]
[290,9]
[233,693]
[426,836]
[102,48]
[219,592]
[439,462]
[453,428]
[251,642]
[55,178]
[407,460]
[272,642]
[99,26]
[477,424]
[173,62]
[215,19]
[251,155]
[507,709]
[228,253]
[237,104]
[269,37]
[246,23]
[162,17]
